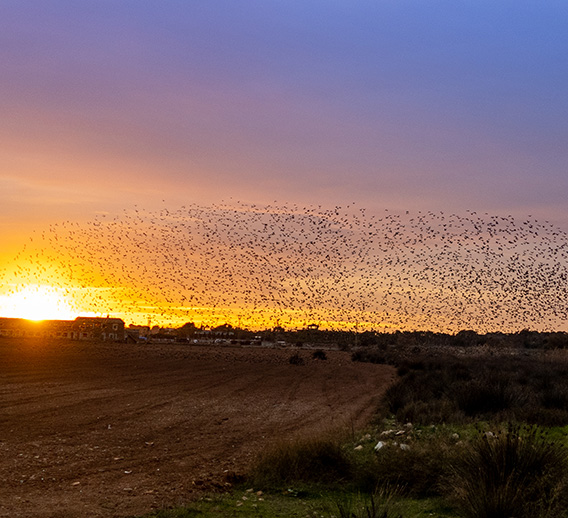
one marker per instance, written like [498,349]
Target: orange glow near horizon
[258,267]
[37,303]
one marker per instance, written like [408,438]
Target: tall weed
[516,473]
[380,504]
[310,460]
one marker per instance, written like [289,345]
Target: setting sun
[37,303]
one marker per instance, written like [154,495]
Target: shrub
[369,356]
[546,416]
[462,390]
[555,396]
[484,396]
[398,396]
[417,469]
[435,411]
[319,460]
[517,473]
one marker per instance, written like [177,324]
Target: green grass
[481,471]
[289,503]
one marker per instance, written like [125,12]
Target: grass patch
[319,460]
[517,473]
[328,504]
[381,504]
[249,503]
[442,470]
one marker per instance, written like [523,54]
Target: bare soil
[116,430]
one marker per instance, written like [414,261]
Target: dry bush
[517,473]
[418,469]
[311,460]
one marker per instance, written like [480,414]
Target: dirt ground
[116,430]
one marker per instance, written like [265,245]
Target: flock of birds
[341,268]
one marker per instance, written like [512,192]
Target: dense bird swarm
[289,265]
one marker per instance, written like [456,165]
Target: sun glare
[37,303]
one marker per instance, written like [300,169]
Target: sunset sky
[404,105]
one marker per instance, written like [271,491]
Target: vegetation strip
[457,436]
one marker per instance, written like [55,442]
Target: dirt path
[115,430]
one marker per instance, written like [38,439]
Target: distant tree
[187,330]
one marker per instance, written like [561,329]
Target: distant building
[223,330]
[19,328]
[138,332]
[97,328]
[82,328]
[22,328]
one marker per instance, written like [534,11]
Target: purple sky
[438,105]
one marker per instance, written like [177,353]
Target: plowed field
[116,430]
